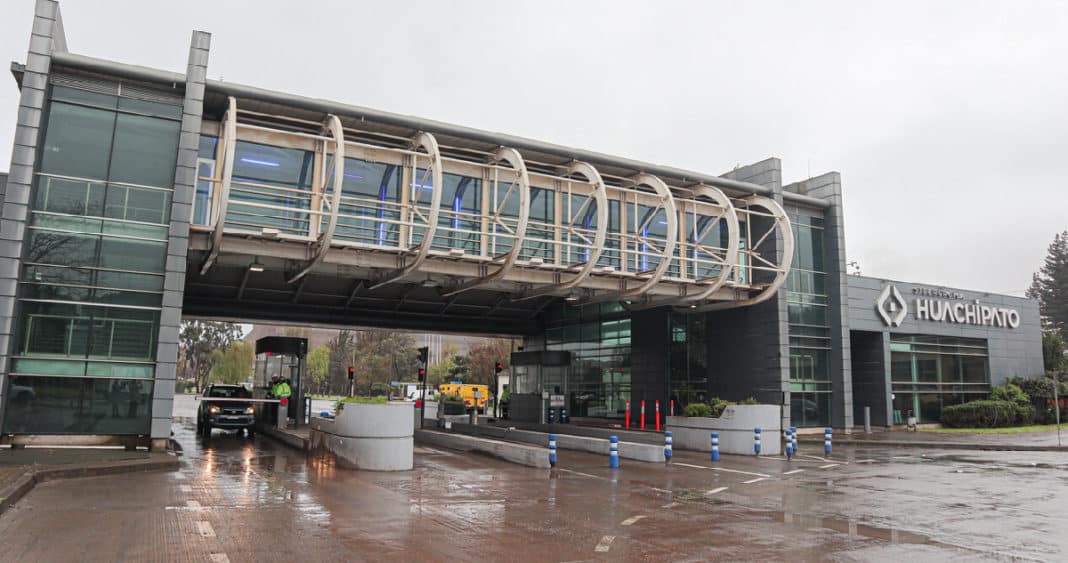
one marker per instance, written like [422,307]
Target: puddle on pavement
[851,528]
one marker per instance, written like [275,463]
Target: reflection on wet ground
[257,500]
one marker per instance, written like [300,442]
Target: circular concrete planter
[376,437]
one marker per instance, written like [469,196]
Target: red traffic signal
[422,374]
[498,368]
[352,373]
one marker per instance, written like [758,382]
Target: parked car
[228,415]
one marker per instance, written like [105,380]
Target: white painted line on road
[830,465]
[580,473]
[185,488]
[192,504]
[817,458]
[751,481]
[794,471]
[205,529]
[219,558]
[714,491]
[864,461]
[604,544]
[722,469]
[179,476]
[630,521]
[671,505]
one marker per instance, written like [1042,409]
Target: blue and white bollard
[613,452]
[552,415]
[667,447]
[827,441]
[715,446]
[563,415]
[756,441]
[793,438]
[552,450]
[789,449]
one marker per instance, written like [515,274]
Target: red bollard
[658,415]
[626,423]
[672,413]
[641,421]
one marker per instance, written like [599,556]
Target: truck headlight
[250,410]
[214,409]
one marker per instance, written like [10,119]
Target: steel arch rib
[515,160]
[337,177]
[672,219]
[427,142]
[730,216]
[600,195]
[229,144]
[782,222]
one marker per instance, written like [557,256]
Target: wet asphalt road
[236,499]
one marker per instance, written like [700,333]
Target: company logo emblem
[891,306]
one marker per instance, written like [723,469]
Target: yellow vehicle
[468,392]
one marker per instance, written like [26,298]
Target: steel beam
[337,180]
[229,138]
[426,142]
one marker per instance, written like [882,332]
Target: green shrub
[1025,414]
[360,400]
[749,401]
[1011,393]
[719,407]
[698,409]
[981,414]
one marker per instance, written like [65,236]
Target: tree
[1053,351]
[196,343]
[233,365]
[482,359]
[1050,286]
[319,366]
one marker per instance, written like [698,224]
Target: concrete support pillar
[178,240]
[47,37]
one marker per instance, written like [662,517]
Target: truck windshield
[229,392]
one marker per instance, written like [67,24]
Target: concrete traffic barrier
[715,446]
[613,452]
[667,447]
[827,441]
[756,441]
[552,450]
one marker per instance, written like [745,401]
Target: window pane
[138,204]
[136,255]
[78,331]
[64,249]
[76,197]
[69,405]
[77,141]
[150,108]
[145,152]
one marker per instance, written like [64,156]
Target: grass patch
[1006,430]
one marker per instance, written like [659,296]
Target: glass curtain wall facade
[598,336]
[928,373]
[689,360]
[810,333]
[91,284]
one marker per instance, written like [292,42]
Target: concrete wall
[375,437]
[47,37]
[1013,351]
[736,428]
[521,454]
[178,239]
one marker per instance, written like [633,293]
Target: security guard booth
[285,357]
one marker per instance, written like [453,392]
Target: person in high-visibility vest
[280,389]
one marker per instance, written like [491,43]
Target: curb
[941,445]
[32,478]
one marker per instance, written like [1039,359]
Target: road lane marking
[817,458]
[865,461]
[722,469]
[185,488]
[794,471]
[751,481]
[714,491]
[604,544]
[219,558]
[830,465]
[671,505]
[630,521]
[580,473]
[205,529]
[192,504]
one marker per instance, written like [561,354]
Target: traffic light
[497,369]
[352,373]
[423,353]
[422,375]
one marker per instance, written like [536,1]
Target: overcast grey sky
[947,120]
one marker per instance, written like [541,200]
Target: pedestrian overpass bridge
[305,211]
